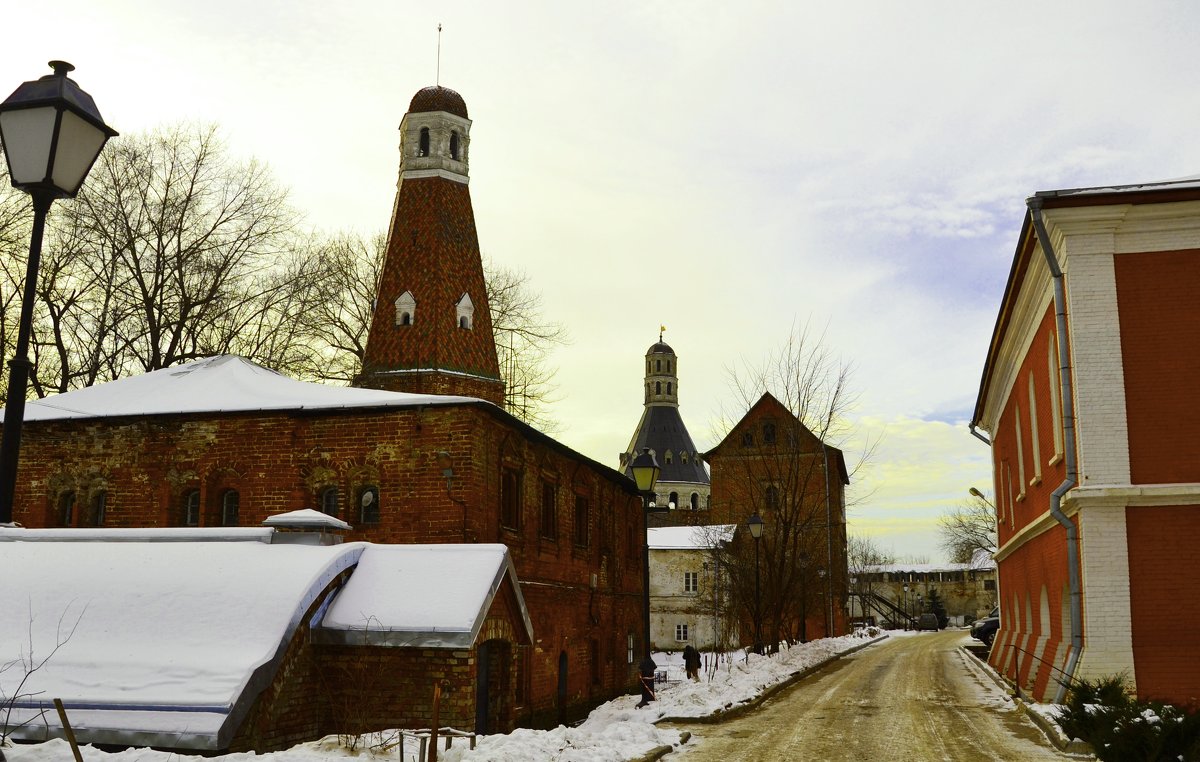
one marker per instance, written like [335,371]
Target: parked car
[984,630]
[928,621]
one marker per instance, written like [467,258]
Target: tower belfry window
[454,145]
[668,387]
[658,387]
[406,309]
[423,142]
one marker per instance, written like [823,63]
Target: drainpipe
[1068,413]
[980,437]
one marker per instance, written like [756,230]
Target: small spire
[438,78]
[661,328]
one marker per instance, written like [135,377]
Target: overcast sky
[729,170]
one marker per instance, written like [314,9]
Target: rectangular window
[681,633]
[582,520]
[691,582]
[549,523]
[989,584]
[629,649]
[768,433]
[510,499]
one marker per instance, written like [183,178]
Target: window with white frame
[691,582]
[681,633]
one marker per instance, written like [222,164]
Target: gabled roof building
[1088,398]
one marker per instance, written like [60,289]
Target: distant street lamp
[756,529]
[824,609]
[861,611]
[52,133]
[976,493]
[906,605]
[645,473]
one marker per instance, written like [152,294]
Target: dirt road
[912,697]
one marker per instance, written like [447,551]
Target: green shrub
[1123,729]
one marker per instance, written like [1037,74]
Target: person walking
[691,662]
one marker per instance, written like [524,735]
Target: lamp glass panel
[79,143]
[27,134]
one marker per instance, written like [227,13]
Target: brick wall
[1166,623]
[281,462]
[1156,294]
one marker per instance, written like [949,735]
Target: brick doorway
[493,687]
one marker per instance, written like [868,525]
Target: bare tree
[789,469]
[969,531]
[18,671]
[524,340]
[863,559]
[170,252]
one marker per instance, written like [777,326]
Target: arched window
[97,509]
[673,500]
[454,146]
[423,144]
[768,432]
[668,366]
[405,318]
[772,497]
[230,501]
[66,509]
[191,508]
[406,308]
[695,501]
[466,312]
[658,366]
[368,502]
[668,387]
[667,458]
[329,501]
[658,387]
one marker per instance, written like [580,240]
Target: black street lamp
[756,528]
[645,473]
[52,134]
[906,605]
[824,608]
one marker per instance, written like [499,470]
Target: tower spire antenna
[661,329]
[438,78]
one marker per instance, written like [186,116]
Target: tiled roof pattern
[433,251]
[662,429]
[438,99]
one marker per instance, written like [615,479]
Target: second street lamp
[645,473]
[756,529]
[52,133]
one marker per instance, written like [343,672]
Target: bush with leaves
[1121,727]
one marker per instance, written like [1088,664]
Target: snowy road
[911,697]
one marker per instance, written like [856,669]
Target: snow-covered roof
[423,596]
[162,643]
[689,538]
[1181,183]
[305,517]
[225,384]
[120,534]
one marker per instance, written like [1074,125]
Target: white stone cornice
[1132,495]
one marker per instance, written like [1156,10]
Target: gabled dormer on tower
[432,260]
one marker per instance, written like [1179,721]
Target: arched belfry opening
[454,145]
[423,142]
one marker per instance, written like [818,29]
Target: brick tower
[431,331]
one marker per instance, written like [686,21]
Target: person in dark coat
[647,669]
[691,662]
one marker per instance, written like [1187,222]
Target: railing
[422,737]
[890,611]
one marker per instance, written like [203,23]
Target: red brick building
[1087,394]
[771,464]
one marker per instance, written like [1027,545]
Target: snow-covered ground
[614,731]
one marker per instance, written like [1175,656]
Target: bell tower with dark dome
[683,484]
[431,330]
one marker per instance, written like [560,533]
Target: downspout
[1072,477]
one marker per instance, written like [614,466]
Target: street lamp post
[824,609]
[52,133]
[855,591]
[920,604]
[645,472]
[906,605]
[756,529]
